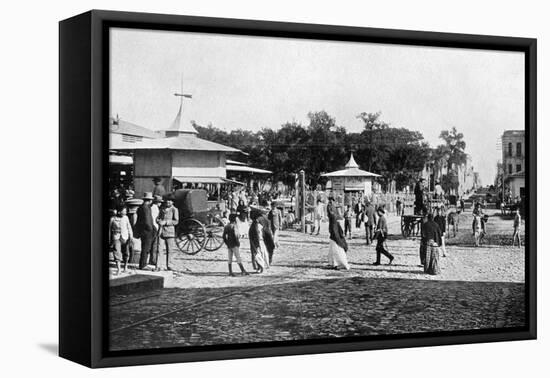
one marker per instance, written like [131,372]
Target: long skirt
[242,227]
[337,256]
[431,266]
[260,258]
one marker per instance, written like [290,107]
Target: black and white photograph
[266,189]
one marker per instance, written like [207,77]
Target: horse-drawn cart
[410,223]
[199,227]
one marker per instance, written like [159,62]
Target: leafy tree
[453,152]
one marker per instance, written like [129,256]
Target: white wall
[29,38]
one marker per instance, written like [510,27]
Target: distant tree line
[322,146]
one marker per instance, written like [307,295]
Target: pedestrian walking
[441,221]
[168,219]
[242,218]
[337,245]
[423,240]
[348,214]
[381,235]
[120,236]
[398,207]
[276,220]
[358,209]
[145,230]
[370,222]
[231,239]
[318,215]
[432,238]
[267,235]
[517,225]
[258,250]
[477,228]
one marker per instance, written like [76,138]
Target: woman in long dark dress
[337,245]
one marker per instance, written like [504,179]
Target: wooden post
[303,199]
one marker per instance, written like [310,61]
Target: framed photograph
[234,188]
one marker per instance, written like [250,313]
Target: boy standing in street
[231,240]
[120,237]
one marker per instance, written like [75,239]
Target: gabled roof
[119,126]
[186,142]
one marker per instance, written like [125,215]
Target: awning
[228,181]
[244,168]
[201,180]
[120,159]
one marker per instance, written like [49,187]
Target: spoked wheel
[405,227]
[214,235]
[191,236]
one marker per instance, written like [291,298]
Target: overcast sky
[255,82]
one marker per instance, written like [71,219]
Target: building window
[518,149]
[518,167]
[510,169]
[510,149]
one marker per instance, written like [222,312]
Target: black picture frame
[83,140]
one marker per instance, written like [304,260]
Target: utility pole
[303,200]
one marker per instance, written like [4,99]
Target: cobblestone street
[299,299]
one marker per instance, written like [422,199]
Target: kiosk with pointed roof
[351,180]
[179,157]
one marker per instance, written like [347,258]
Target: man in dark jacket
[145,229]
[370,222]
[381,235]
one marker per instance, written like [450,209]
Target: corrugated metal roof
[186,142]
[119,126]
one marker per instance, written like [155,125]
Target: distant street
[299,299]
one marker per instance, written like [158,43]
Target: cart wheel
[405,227]
[214,235]
[191,236]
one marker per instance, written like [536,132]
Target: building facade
[513,163]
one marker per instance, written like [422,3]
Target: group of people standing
[155,226]
[263,236]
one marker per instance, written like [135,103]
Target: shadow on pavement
[322,308]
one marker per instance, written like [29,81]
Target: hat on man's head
[381,209]
[156,179]
[169,197]
[147,196]
[157,198]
